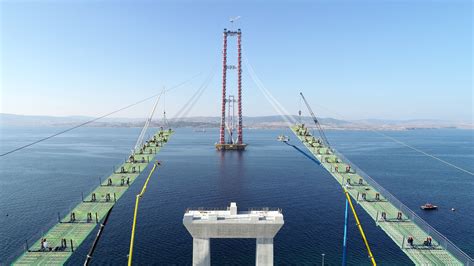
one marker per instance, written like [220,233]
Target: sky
[351,59]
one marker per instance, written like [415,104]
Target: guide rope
[425,153]
[96,119]
[400,142]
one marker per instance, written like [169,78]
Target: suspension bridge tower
[229,125]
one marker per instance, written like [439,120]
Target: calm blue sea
[39,182]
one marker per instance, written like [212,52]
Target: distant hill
[249,122]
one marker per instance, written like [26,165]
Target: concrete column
[201,251]
[264,255]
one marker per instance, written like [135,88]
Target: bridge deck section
[397,223]
[72,229]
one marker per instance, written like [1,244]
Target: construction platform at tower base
[230,146]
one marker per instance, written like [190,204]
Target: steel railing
[443,241]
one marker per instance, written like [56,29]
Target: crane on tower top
[234,19]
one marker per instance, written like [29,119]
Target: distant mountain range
[249,122]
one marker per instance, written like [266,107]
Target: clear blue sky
[363,59]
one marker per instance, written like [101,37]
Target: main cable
[289,120]
[96,119]
[186,108]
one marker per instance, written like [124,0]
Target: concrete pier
[264,254]
[201,251]
[261,224]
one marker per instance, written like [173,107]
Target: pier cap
[229,223]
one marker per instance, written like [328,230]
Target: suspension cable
[147,123]
[97,118]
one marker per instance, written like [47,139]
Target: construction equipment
[316,122]
[147,123]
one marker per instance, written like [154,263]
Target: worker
[45,245]
[399,216]
[410,240]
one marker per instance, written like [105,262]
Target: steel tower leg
[224,74]
[239,84]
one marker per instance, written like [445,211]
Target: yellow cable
[359,225]
[132,238]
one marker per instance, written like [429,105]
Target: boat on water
[428,207]
[283,138]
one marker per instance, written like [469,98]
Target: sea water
[41,181]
